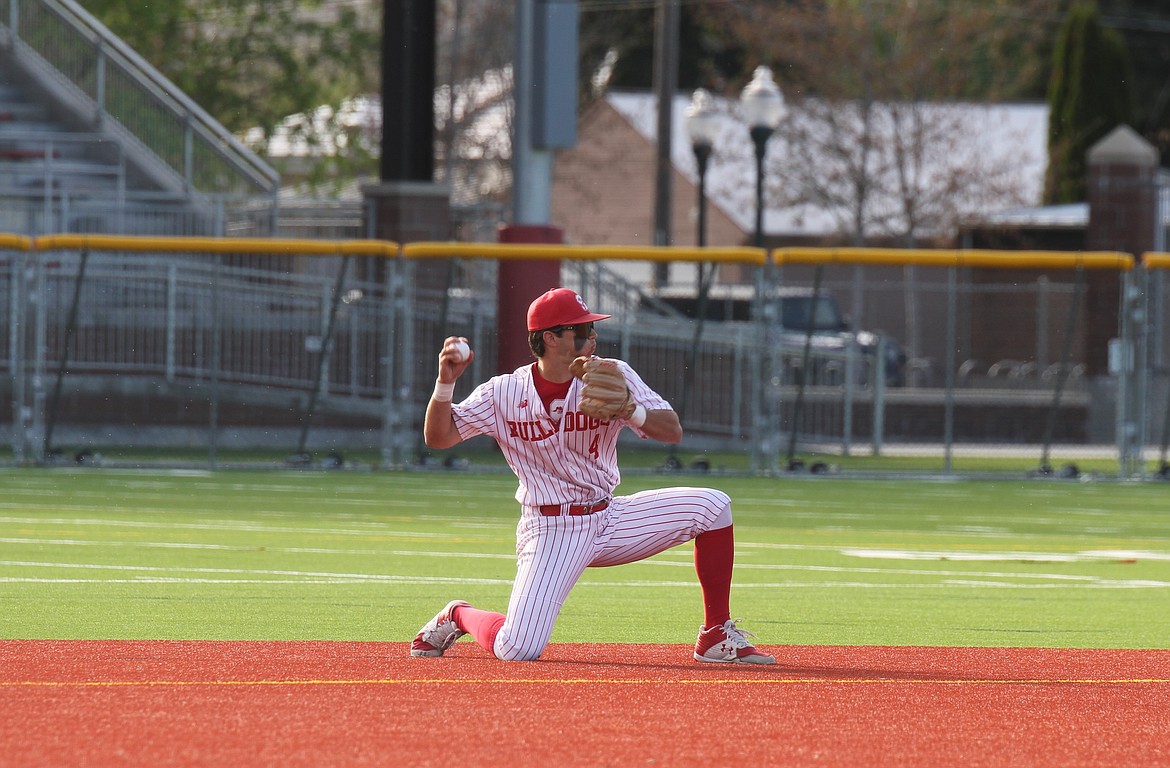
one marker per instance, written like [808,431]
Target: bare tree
[872,144]
[473,104]
[878,140]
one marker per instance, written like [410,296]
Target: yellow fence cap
[549,251]
[952,258]
[238,245]
[15,242]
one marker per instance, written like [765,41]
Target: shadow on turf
[680,665]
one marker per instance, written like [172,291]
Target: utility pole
[666,83]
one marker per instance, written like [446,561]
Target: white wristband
[638,417]
[443,391]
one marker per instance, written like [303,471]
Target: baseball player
[557,422]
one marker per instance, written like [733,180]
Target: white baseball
[461,351]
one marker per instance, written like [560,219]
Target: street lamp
[703,129]
[763,108]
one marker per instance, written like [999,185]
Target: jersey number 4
[594,451]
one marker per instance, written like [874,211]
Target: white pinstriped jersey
[570,462]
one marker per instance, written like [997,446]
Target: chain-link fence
[296,346]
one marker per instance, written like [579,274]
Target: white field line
[258,582]
[427,580]
[1000,556]
[859,552]
[1126,554]
[947,578]
[665,563]
[301,577]
[264,548]
[1017,557]
[373,529]
[307,577]
[686,562]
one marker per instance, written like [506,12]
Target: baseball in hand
[461,351]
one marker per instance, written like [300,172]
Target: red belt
[555,510]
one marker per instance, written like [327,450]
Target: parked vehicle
[802,317]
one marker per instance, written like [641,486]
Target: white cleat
[438,634]
[728,644]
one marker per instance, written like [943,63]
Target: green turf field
[182,554]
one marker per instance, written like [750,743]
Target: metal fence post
[390,457]
[17,317]
[757,369]
[847,396]
[1131,367]
[1142,342]
[40,299]
[949,365]
[171,319]
[878,378]
[216,342]
[406,359]
[737,385]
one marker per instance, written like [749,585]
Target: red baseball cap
[560,306]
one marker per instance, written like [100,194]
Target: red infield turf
[243,704]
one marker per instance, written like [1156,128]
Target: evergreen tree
[1090,93]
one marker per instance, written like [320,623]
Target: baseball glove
[605,395]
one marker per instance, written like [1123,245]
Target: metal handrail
[119,85]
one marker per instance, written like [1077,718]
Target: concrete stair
[42,160]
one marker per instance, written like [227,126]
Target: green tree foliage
[933,50]
[1145,25]
[1090,93]
[252,63]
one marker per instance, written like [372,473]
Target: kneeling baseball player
[557,422]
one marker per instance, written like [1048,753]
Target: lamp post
[763,108]
[703,128]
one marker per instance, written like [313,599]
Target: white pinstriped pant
[553,552]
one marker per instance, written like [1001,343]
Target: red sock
[714,557]
[482,625]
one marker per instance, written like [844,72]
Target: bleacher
[45,165]
[94,139]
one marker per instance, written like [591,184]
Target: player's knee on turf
[507,648]
[505,651]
